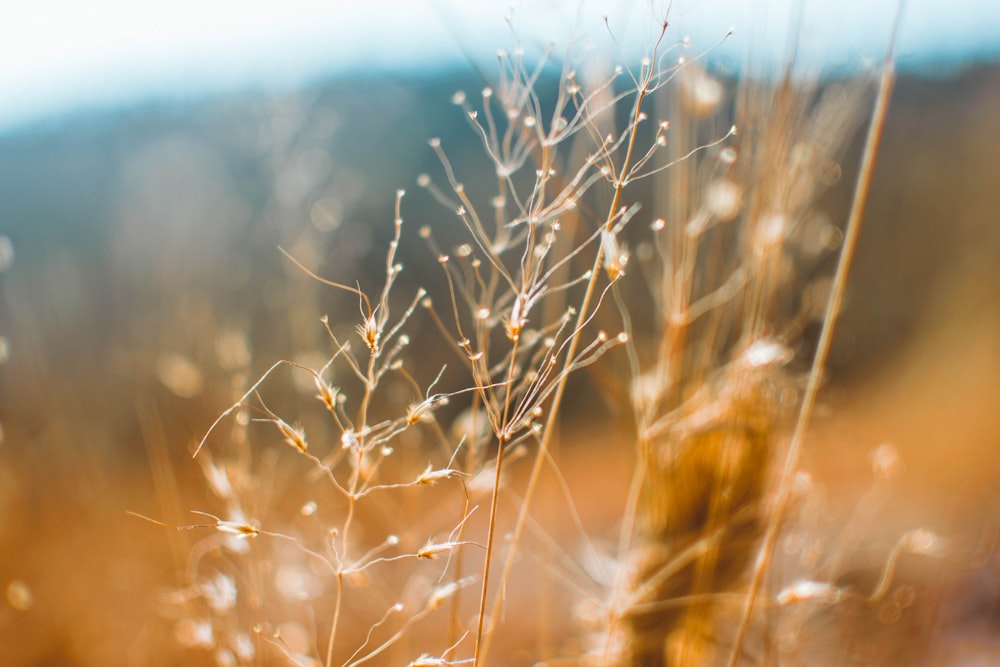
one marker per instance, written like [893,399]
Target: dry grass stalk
[708,414]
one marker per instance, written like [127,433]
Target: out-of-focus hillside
[146,287]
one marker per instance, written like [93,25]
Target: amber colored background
[146,286]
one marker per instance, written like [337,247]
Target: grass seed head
[371,332]
[294,436]
[431,477]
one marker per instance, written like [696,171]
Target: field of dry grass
[146,295]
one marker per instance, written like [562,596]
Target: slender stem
[351,501]
[479,655]
[494,502]
[336,618]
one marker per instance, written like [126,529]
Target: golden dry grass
[411,516]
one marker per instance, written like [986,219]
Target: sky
[57,56]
